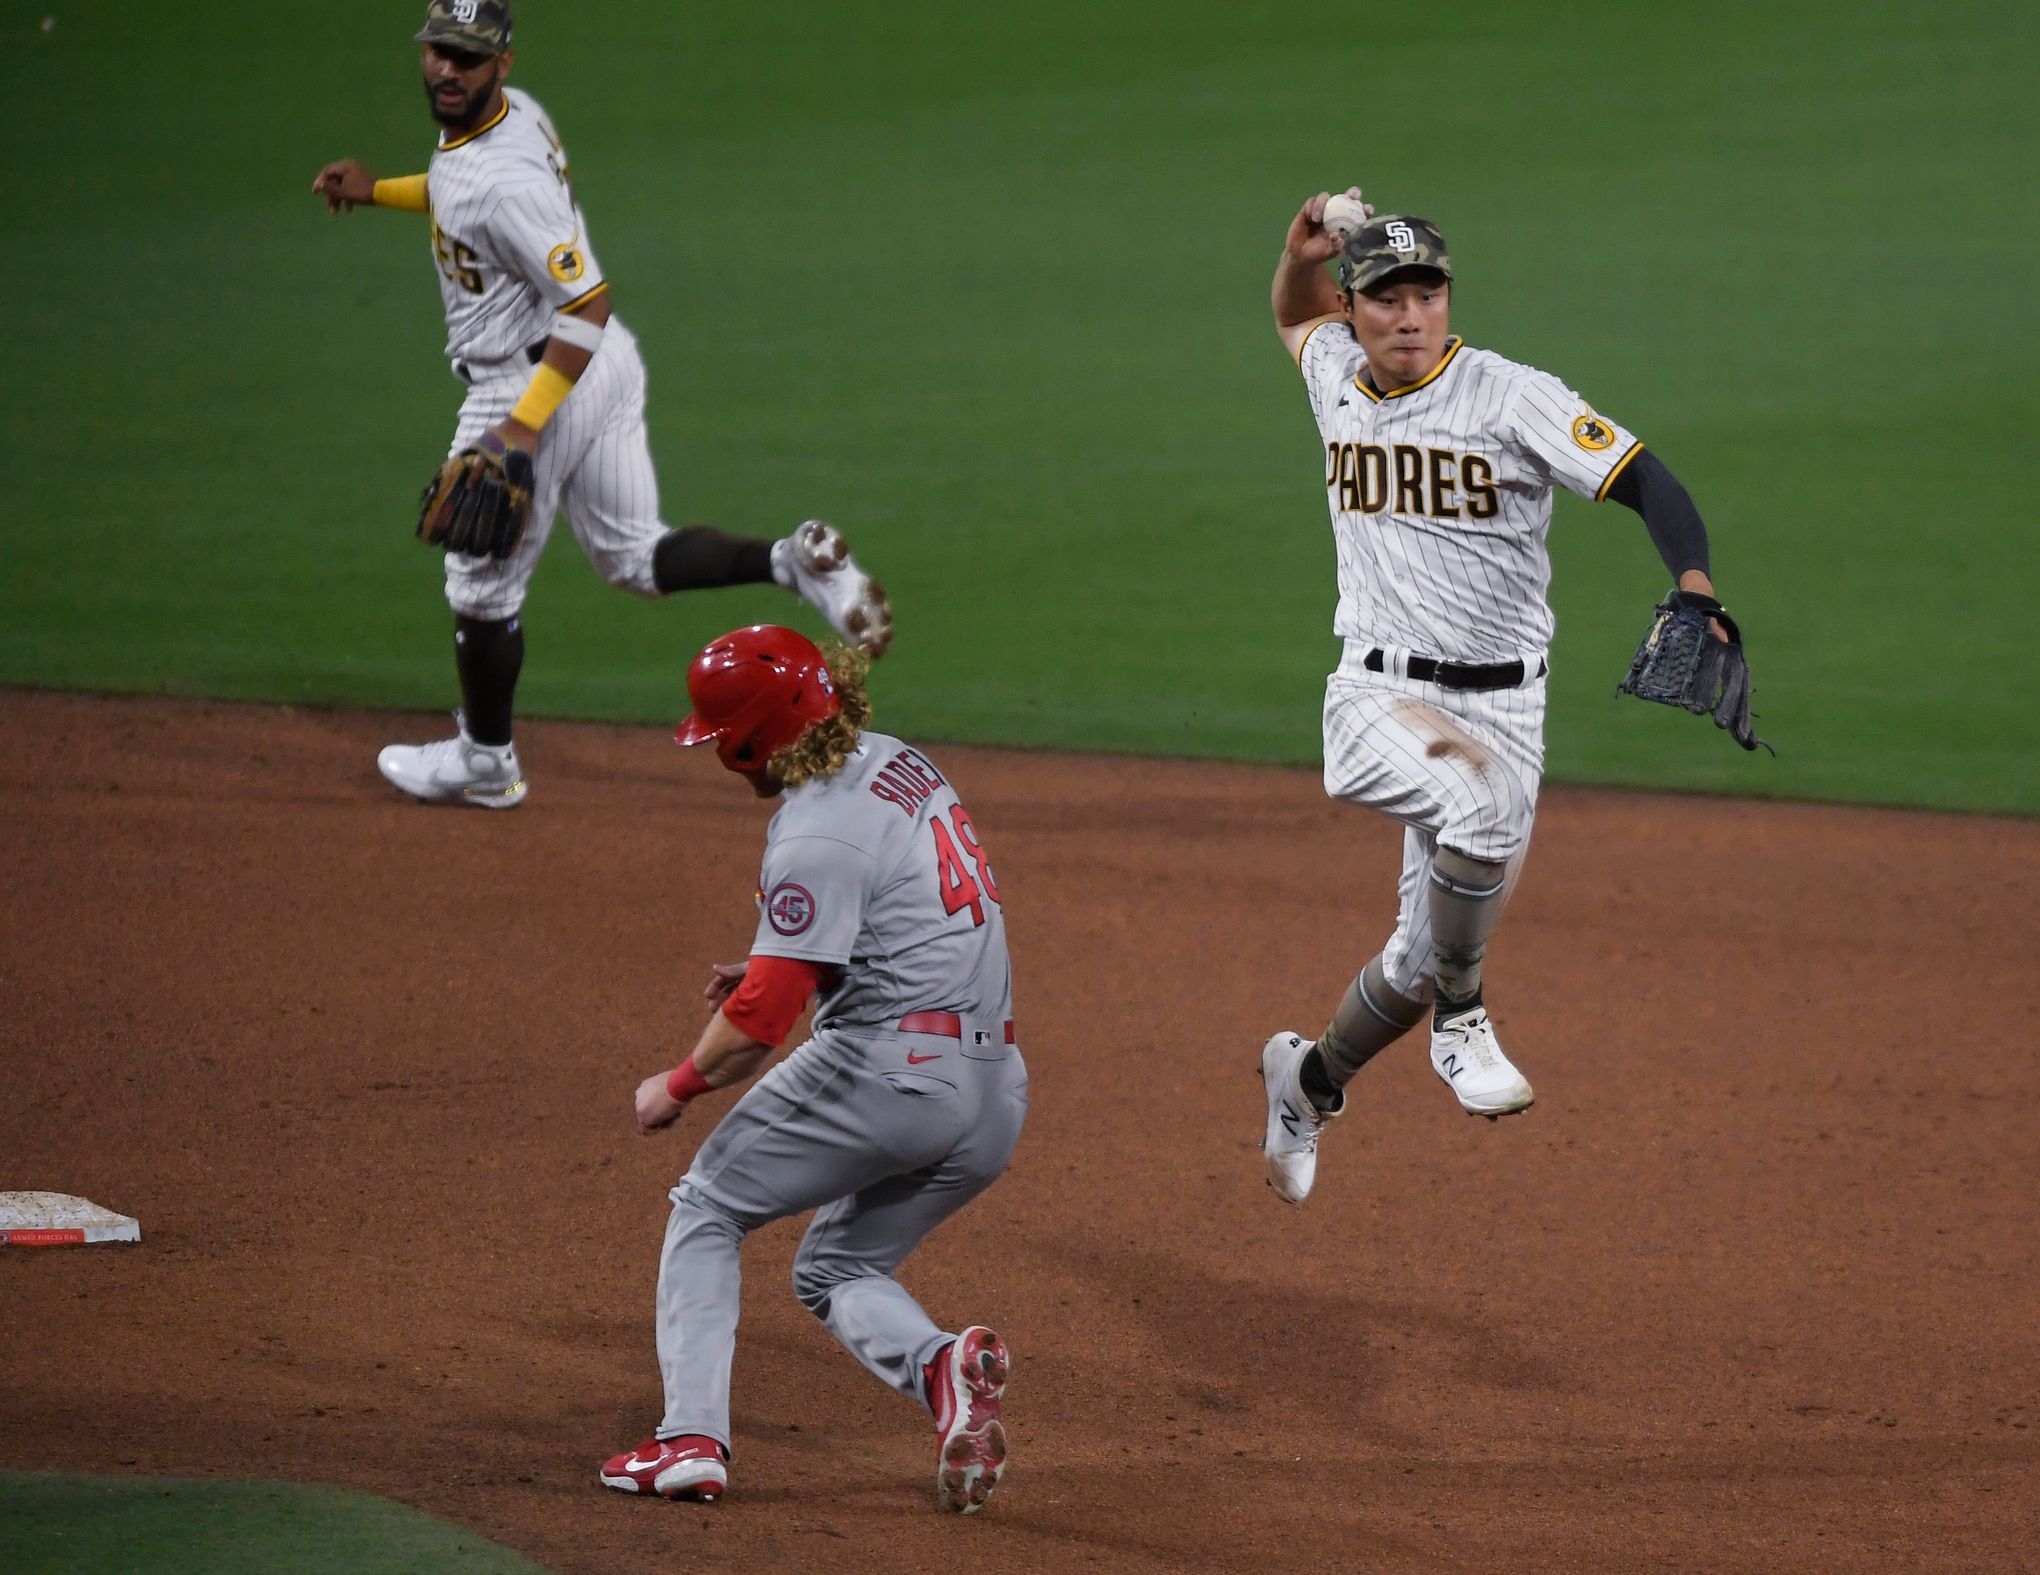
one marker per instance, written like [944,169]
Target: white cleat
[456,771]
[1464,1053]
[1294,1123]
[815,564]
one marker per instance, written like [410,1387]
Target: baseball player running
[903,1105]
[1440,461]
[554,414]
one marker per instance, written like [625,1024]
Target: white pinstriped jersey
[506,233]
[1440,495]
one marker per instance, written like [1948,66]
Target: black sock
[1445,1006]
[696,557]
[1318,1087]
[488,654]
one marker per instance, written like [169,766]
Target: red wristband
[685,1082]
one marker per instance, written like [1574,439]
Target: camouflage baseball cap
[1389,242]
[480,25]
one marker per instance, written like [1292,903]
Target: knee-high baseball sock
[696,557]
[1465,902]
[1370,1019]
[489,653]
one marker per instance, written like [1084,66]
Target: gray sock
[1465,902]
[1370,1019]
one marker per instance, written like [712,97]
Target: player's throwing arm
[553,421]
[1439,464]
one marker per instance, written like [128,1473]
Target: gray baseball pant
[885,1151]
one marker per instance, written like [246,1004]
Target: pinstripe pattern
[1464,588]
[595,465]
[504,198]
[1459,768]
[503,211]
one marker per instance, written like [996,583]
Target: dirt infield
[1754,1286]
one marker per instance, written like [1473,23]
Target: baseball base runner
[905,1102]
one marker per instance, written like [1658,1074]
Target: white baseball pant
[594,462]
[1458,767]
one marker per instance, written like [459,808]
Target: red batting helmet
[755,691]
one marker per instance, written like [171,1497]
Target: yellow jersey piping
[1452,347]
[483,130]
[1631,453]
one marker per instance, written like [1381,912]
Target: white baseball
[1344,215]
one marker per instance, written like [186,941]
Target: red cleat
[689,1467]
[965,1387]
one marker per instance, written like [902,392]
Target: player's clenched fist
[656,1107]
[345,185]
[1321,225]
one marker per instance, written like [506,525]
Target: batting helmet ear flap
[755,691]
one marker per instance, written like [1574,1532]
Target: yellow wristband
[549,385]
[402,191]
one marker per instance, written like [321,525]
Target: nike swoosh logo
[635,1464]
[916,1060]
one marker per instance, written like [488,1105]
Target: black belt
[532,353]
[1457,675]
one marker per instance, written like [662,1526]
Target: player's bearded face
[1402,327]
[459,84]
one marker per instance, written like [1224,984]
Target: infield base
[56,1219]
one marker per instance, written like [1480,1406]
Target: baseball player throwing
[904,1104]
[1440,461]
[554,415]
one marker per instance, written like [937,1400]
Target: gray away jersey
[1440,495]
[507,235]
[879,871]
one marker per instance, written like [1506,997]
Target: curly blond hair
[820,752]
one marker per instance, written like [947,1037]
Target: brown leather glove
[478,501]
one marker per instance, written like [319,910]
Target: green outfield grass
[78,1525]
[987,284]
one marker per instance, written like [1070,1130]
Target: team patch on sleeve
[564,262]
[790,908]
[1592,433]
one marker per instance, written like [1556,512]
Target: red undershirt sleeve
[769,1001]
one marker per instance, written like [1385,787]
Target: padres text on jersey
[1440,495]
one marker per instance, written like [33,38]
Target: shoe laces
[1314,1121]
[1479,1040]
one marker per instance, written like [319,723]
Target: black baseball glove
[479,500]
[1681,663]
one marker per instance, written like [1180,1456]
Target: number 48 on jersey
[959,888]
